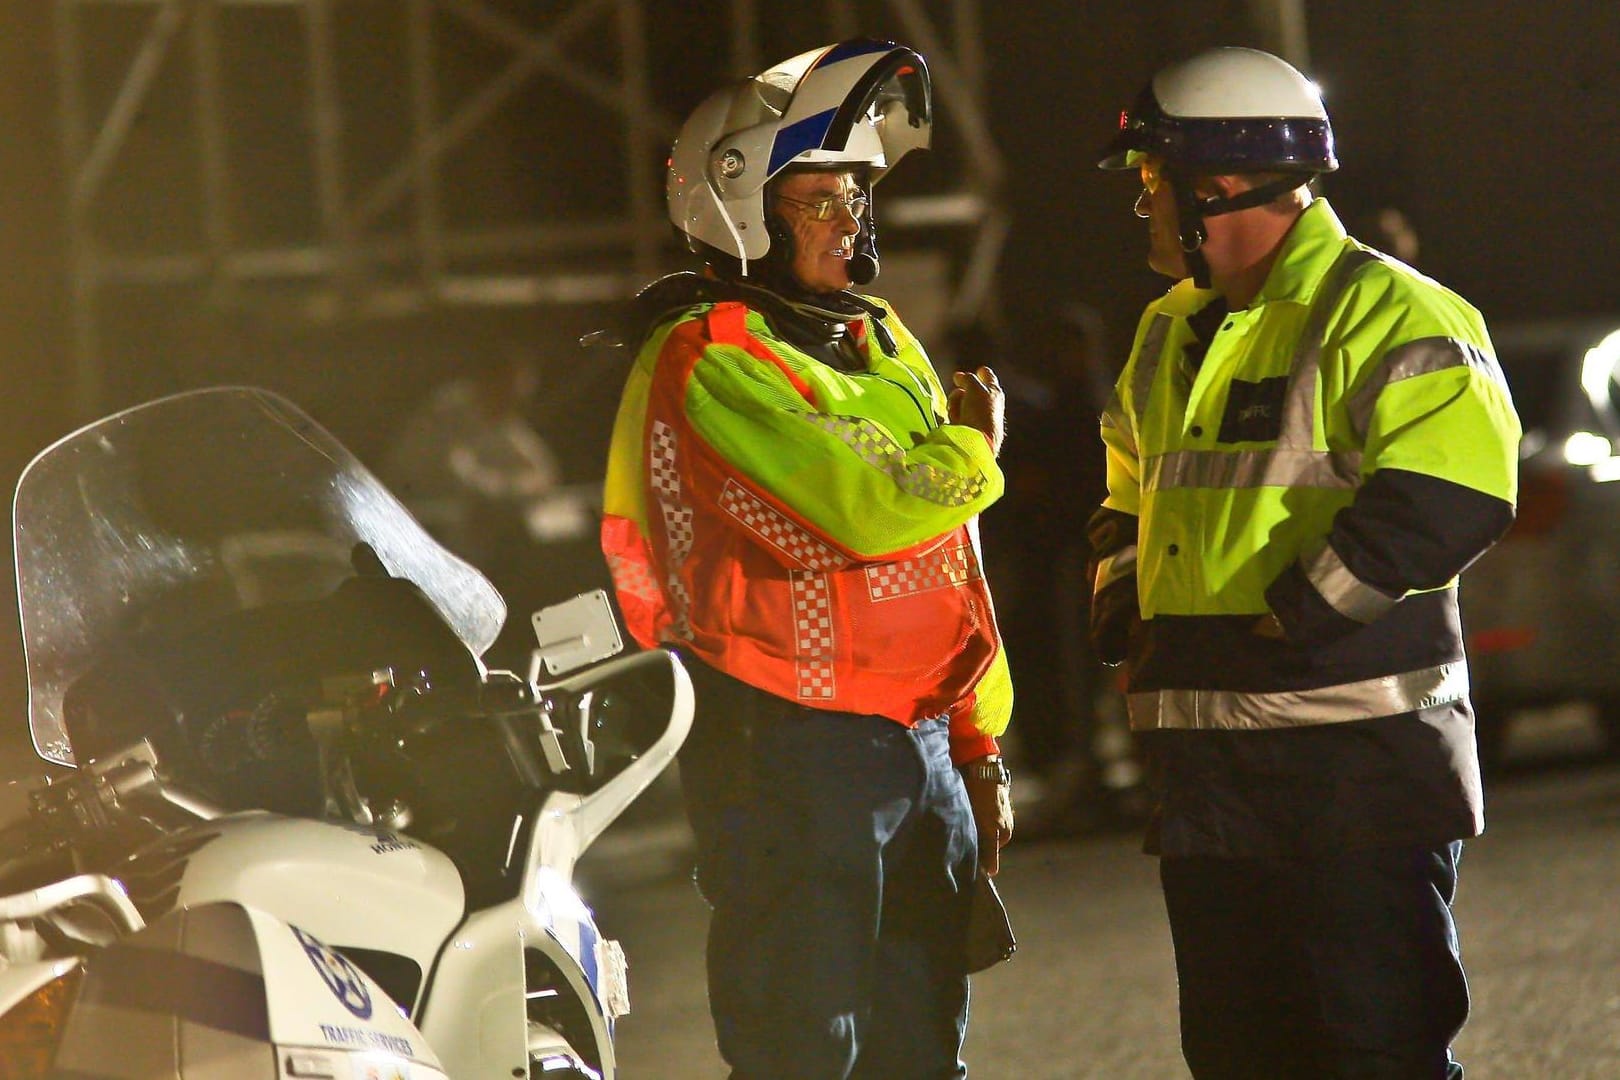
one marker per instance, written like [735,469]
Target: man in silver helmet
[1309,442]
[791,503]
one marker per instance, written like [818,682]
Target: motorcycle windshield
[191,507]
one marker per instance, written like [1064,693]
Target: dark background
[1494,125]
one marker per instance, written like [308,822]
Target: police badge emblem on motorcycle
[341,976]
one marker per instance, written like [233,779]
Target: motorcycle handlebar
[98,890]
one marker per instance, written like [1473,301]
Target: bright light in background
[1585,448]
[1605,471]
[1597,370]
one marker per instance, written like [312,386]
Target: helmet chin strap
[1191,211]
[1190,223]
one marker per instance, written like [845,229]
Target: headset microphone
[862,268]
[863,265]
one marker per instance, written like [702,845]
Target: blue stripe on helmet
[797,138]
[846,49]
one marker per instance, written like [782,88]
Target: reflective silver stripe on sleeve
[1339,586]
[1118,565]
[1228,710]
[1252,468]
[1115,417]
[873,445]
[1421,357]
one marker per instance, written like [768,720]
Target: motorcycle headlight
[31,1030]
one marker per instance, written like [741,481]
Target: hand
[978,402]
[993,815]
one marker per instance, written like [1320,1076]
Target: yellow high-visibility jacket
[1334,455]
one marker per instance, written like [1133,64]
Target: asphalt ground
[1091,992]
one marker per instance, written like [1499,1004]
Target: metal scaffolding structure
[187,209]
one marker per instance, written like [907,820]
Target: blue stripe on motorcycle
[587,955]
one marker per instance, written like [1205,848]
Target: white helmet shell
[864,104]
[1228,110]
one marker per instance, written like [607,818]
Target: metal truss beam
[394,239]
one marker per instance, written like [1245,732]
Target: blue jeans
[836,852]
[1345,966]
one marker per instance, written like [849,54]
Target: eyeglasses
[1152,174]
[823,209]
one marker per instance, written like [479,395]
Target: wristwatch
[988,768]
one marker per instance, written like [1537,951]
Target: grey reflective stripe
[1344,592]
[1114,416]
[1299,407]
[1252,468]
[1147,365]
[1118,565]
[1420,357]
[1294,461]
[874,446]
[1229,710]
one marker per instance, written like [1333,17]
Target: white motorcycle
[299,830]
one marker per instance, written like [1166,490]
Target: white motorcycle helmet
[1228,110]
[862,104]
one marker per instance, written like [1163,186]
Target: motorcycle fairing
[192,508]
[327,877]
[224,992]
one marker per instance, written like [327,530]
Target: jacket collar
[1307,252]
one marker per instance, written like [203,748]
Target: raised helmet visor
[859,103]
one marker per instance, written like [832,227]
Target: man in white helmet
[790,503]
[1309,442]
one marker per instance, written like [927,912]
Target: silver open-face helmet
[860,104]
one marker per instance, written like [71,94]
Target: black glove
[1114,610]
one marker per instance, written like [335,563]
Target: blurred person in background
[790,504]
[1389,230]
[470,466]
[1071,732]
[1308,444]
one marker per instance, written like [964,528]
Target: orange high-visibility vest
[807,530]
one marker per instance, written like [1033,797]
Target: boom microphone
[863,267]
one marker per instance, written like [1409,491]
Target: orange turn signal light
[32,1029]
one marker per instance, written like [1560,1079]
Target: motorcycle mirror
[573,634]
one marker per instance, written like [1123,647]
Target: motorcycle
[296,827]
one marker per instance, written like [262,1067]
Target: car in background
[1541,609]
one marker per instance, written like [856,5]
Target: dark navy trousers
[836,852]
[1343,966]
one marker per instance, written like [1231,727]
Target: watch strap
[994,769]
